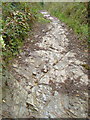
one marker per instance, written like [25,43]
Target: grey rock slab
[32,103]
[23,112]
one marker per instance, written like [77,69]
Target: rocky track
[49,82]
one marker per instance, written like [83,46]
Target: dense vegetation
[73,14]
[17,21]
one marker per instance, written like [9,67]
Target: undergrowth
[73,14]
[17,21]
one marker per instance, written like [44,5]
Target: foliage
[42,20]
[17,21]
[73,14]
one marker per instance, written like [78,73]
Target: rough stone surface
[50,82]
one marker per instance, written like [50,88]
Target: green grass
[73,14]
[41,19]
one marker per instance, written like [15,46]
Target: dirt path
[49,81]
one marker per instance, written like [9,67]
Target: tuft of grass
[41,19]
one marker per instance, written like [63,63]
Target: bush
[17,21]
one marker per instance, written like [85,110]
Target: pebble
[56,67]
[34,73]
[27,87]
[15,65]
[44,97]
